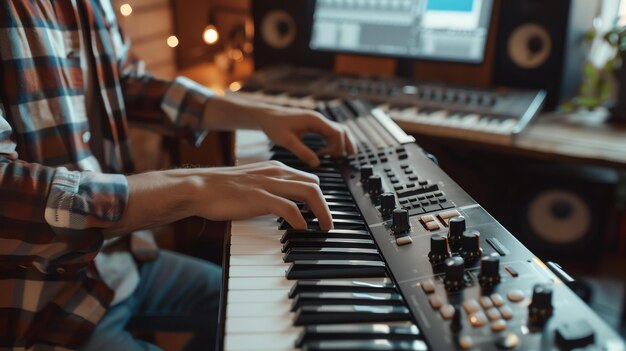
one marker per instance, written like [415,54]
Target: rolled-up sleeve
[47,214]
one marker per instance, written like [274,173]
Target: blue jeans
[175,293]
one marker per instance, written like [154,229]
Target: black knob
[366,172]
[387,203]
[455,273]
[489,271]
[439,249]
[470,243]
[457,227]
[540,308]
[374,185]
[400,221]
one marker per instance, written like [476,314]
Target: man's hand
[286,127]
[231,193]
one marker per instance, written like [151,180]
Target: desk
[583,138]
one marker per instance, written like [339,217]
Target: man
[67,92]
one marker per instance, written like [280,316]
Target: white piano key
[260,309]
[247,325]
[255,249]
[265,283]
[261,342]
[237,296]
[251,260]
[261,238]
[257,271]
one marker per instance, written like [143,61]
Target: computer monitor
[439,30]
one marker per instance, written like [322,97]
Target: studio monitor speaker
[282,31]
[540,45]
[564,211]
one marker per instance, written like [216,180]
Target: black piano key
[321,241]
[333,233]
[337,223]
[330,253]
[365,345]
[345,298]
[308,315]
[382,285]
[336,269]
[335,214]
[406,331]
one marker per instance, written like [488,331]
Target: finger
[299,191]
[350,144]
[286,209]
[302,151]
[278,169]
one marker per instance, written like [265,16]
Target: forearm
[154,199]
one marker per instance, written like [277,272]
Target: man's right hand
[225,193]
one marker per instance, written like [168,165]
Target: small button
[402,156]
[498,326]
[435,301]
[447,312]
[449,214]
[384,160]
[430,196]
[408,171]
[466,342]
[403,240]
[394,180]
[427,218]
[410,185]
[428,286]
[404,166]
[374,162]
[433,226]
[387,169]
[398,187]
[471,306]
[486,302]
[86,137]
[508,341]
[413,178]
[478,319]
[423,182]
[506,312]
[515,295]
[493,314]
[497,300]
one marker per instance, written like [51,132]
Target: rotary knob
[540,308]
[439,249]
[374,185]
[457,227]
[400,221]
[455,273]
[489,271]
[470,245]
[387,203]
[366,172]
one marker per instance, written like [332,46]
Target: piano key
[255,249]
[307,315]
[261,342]
[322,241]
[343,298]
[333,233]
[266,324]
[331,253]
[388,331]
[257,271]
[365,345]
[266,283]
[337,223]
[259,309]
[335,214]
[252,260]
[375,285]
[238,296]
[336,269]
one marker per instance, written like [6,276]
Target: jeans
[175,293]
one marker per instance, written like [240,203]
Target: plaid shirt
[49,296]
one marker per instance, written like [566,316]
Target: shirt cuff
[184,103]
[76,198]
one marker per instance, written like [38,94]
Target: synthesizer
[414,263]
[494,115]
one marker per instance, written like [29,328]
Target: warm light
[126,9]
[234,86]
[210,35]
[236,55]
[172,41]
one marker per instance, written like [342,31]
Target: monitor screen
[441,30]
